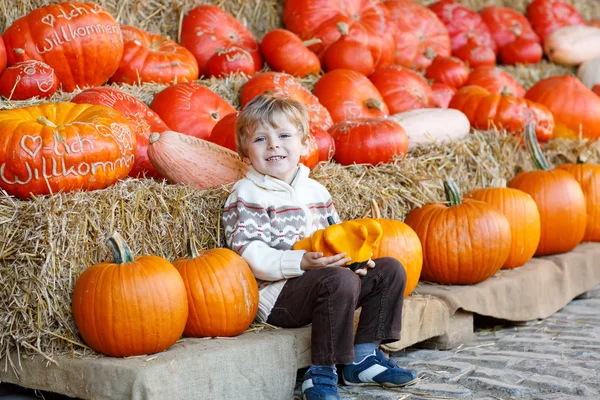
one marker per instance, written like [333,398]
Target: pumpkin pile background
[148,212]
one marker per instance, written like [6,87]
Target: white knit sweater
[264,217]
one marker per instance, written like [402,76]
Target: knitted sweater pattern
[263,217]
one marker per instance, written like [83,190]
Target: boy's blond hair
[261,110]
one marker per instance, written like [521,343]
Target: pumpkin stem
[533,148]
[374,103]
[452,194]
[153,137]
[310,42]
[45,121]
[192,249]
[330,220]
[581,159]
[343,28]
[375,209]
[121,252]
[430,54]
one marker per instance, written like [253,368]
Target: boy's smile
[276,151]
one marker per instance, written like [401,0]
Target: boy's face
[276,151]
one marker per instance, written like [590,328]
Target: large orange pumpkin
[222,293]
[523,216]
[559,198]
[132,306]
[63,147]
[464,242]
[576,108]
[81,41]
[366,21]
[588,176]
[148,57]
[190,108]
[208,30]
[349,95]
[142,121]
[402,89]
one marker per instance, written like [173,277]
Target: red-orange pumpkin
[222,293]
[190,108]
[148,57]
[596,89]
[311,158]
[524,218]
[402,89]
[81,41]
[349,95]
[231,60]
[325,143]
[506,25]
[449,70]
[132,306]
[546,16]
[559,198]
[576,108]
[142,121]
[2,55]
[419,34]
[348,54]
[63,147]
[442,94]
[207,30]
[475,54]
[223,133]
[588,176]
[282,84]
[368,141]
[495,80]
[284,51]
[365,21]
[522,51]
[484,109]
[27,79]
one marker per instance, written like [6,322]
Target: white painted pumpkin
[573,45]
[427,125]
[589,72]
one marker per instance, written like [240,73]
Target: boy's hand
[315,260]
[363,271]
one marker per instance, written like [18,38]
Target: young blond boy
[276,205]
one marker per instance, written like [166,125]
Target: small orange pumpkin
[221,292]
[132,306]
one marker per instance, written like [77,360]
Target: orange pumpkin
[576,108]
[81,41]
[223,133]
[311,158]
[348,54]
[142,121]
[495,80]
[132,306]
[349,95]
[522,51]
[448,70]
[63,147]
[27,79]
[231,60]
[190,108]
[325,143]
[222,293]
[148,57]
[484,109]
[506,25]
[442,94]
[464,242]
[284,51]
[475,54]
[588,176]
[546,16]
[2,55]
[402,89]
[559,198]
[523,216]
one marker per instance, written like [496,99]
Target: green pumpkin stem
[192,249]
[534,150]
[452,194]
[121,252]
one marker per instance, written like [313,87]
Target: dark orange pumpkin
[132,306]
[495,80]
[208,29]
[588,176]
[223,133]
[546,16]
[464,242]
[325,143]
[222,293]
[475,54]
[349,95]
[449,70]
[484,110]
[190,108]
[63,147]
[348,54]
[231,60]
[402,89]
[368,141]
[2,55]
[311,158]
[284,51]
[142,121]
[522,51]
[81,41]
[506,25]
[27,79]
[522,214]
[559,198]
[148,57]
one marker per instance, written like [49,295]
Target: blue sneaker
[377,369]
[320,383]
